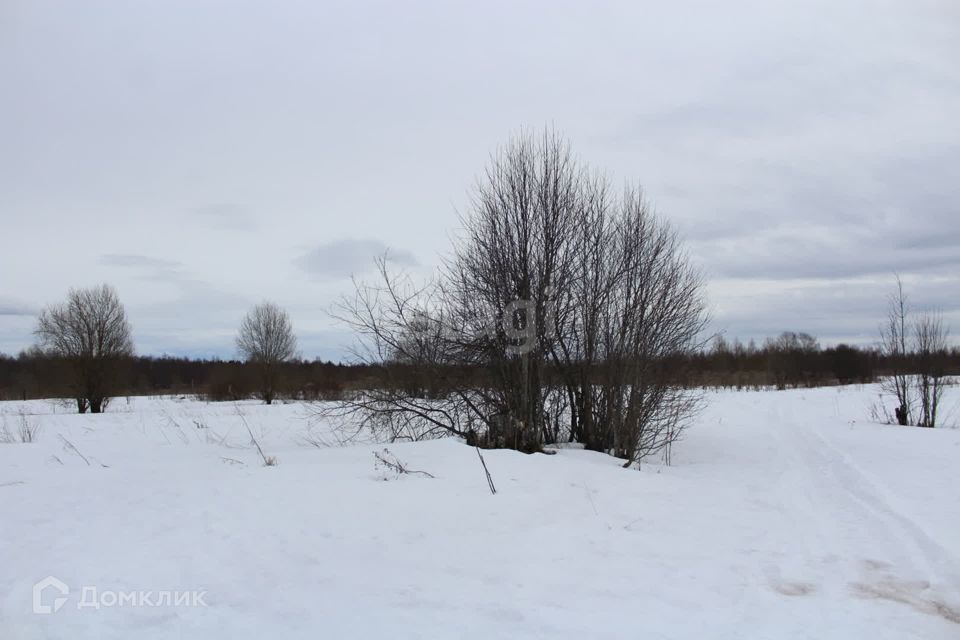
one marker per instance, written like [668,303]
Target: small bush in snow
[384,461]
[25,431]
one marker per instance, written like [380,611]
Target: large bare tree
[563,313]
[266,339]
[91,333]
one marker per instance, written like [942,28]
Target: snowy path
[855,517]
[784,516]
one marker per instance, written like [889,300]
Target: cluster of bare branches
[917,350]
[564,313]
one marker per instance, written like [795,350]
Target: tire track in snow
[849,503]
[939,561]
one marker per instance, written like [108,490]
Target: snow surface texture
[784,515]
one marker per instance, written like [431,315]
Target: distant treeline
[798,360]
[791,360]
[35,375]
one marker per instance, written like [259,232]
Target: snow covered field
[784,515]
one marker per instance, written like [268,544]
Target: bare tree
[917,351]
[894,337]
[564,313]
[266,339]
[91,333]
[931,336]
[791,359]
[516,258]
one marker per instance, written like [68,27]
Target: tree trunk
[902,416]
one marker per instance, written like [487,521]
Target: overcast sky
[203,156]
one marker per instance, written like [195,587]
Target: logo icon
[49,583]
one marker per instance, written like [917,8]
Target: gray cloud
[224,215]
[17,322]
[343,258]
[146,268]
[821,252]
[802,147]
[10,307]
[137,261]
[903,217]
[835,310]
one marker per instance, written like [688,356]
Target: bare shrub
[27,429]
[931,337]
[917,350]
[879,412]
[24,431]
[565,313]
[894,337]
